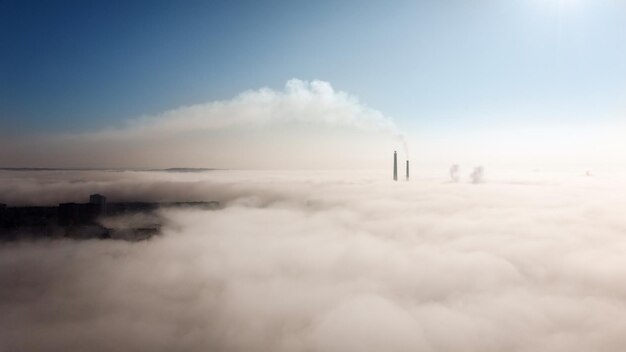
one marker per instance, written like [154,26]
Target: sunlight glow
[564,5]
[559,6]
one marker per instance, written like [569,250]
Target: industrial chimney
[395,166]
[407,170]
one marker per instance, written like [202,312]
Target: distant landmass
[87,220]
[185,169]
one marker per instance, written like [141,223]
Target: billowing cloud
[326,261]
[313,102]
[306,125]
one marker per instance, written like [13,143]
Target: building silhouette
[395,165]
[82,220]
[100,201]
[407,170]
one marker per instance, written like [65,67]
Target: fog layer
[327,262]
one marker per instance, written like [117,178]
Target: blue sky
[85,65]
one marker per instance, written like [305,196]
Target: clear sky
[433,66]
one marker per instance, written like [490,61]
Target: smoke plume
[454,173]
[477,175]
[321,126]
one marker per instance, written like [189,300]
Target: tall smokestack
[395,166]
[407,170]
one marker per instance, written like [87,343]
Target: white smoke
[222,134]
[477,175]
[313,102]
[322,261]
[405,145]
[454,173]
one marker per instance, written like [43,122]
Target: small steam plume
[405,145]
[454,173]
[477,174]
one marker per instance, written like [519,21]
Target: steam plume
[477,174]
[303,113]
[454,173]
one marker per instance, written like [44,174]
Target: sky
[519,72]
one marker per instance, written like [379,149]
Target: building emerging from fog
[407,170]
[77,214]
[80,220]
[100,201]
[395,165]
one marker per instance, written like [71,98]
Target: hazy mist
[327,261]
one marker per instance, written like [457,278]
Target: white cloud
[325,261]
[307,125]
[313,102]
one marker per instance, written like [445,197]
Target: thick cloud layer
[328,262]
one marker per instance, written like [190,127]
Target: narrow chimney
[395,166]
[407,170]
